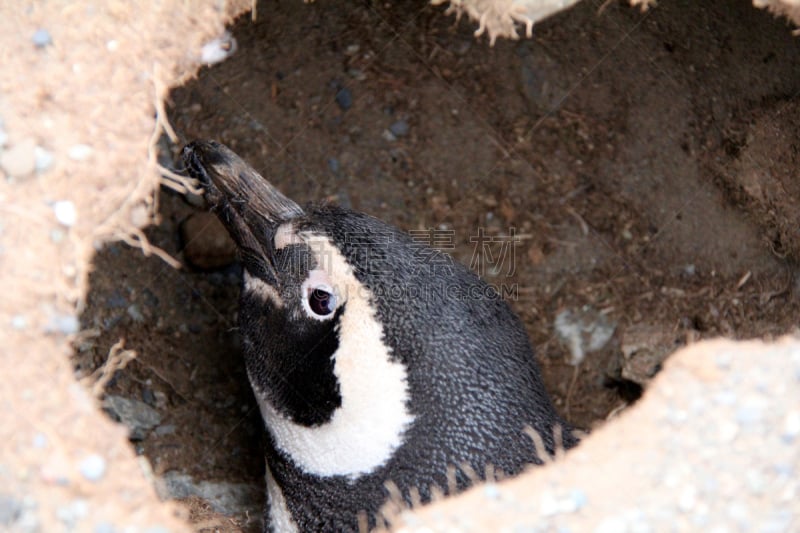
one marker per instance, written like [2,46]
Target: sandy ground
[645,160]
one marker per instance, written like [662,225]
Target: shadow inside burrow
[185,397]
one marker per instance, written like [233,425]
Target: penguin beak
[247,204]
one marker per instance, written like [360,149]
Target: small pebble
[344,99]
[219,49]
[19,322]
[161,399]
[80,152]
[580,498]
[65,213]
[39,441]
[43,159]
[491,491]
[19,161]
[63,324]
[148,397]
[749,415]
[388,136]
[791,427]
[41,38]
[135,313]
[357,74]
[166,429]
[399,128]
[333,164]
[93,467]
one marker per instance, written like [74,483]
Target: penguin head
[333,392]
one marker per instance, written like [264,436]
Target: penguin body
[377,362]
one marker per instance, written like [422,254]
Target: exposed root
[137,239]
[146,190]
[118,358]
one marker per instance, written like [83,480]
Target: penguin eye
[320,301]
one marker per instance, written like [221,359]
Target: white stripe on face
[368,427]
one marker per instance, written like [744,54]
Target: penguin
[381,367]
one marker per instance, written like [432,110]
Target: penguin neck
[367,428]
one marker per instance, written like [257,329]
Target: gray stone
[166,429]
[227,498]
[136,415]
[645,347]
[135,313]
[399,128]
[41,38]
[344,99]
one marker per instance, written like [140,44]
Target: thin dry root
[137,239]
[178,183]
[118,358]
